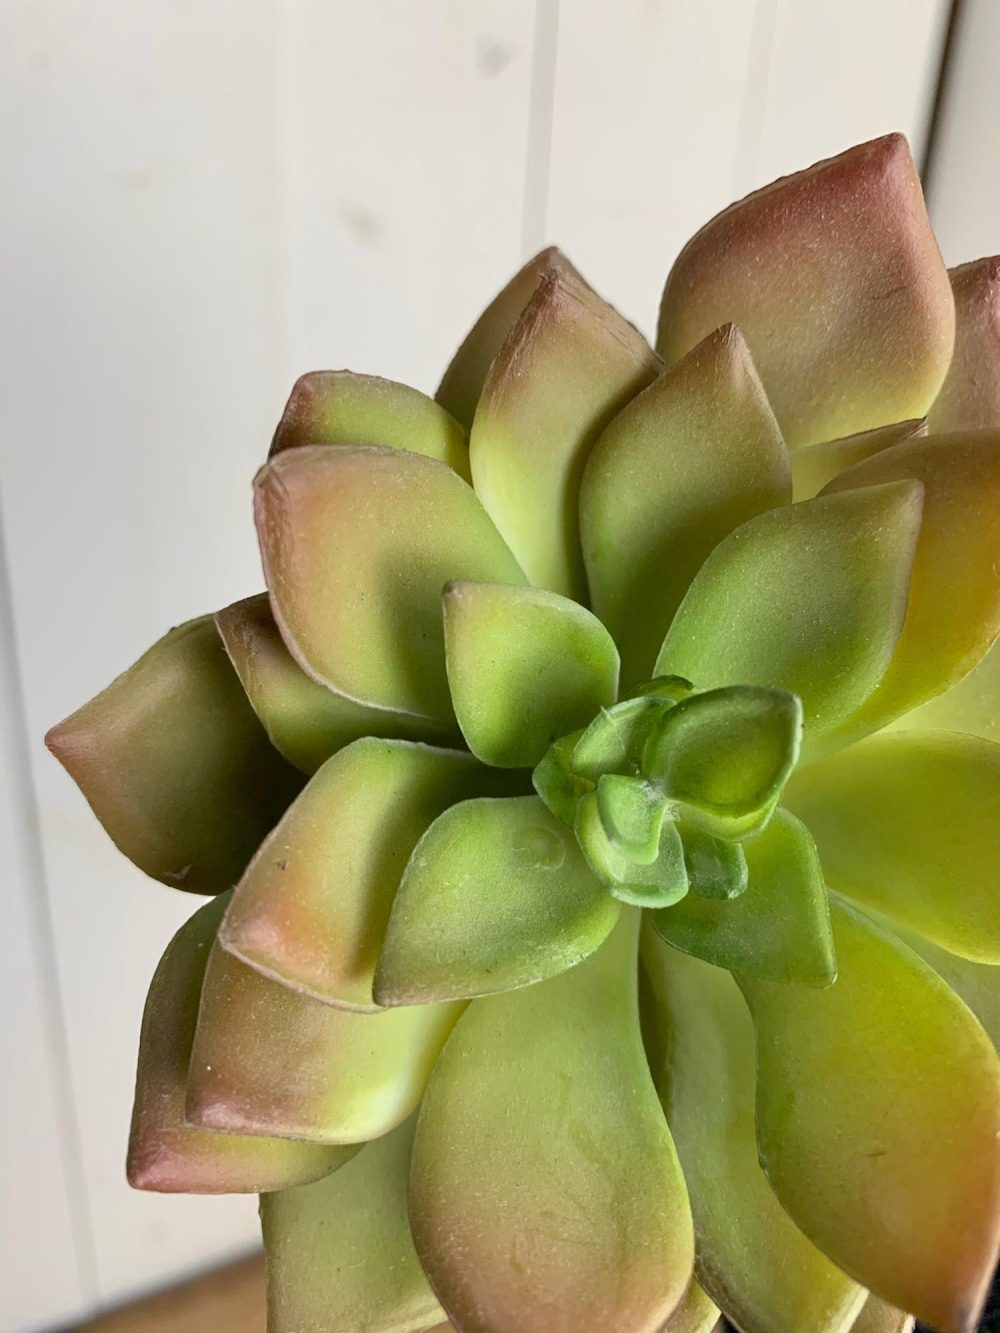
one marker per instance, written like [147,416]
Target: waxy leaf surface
[267,1060]
[343,1258]
[525,667]
[167,1154]
[817,465]
[496,896]
[644,883]
[878,1317]
[835,279]
[809,599]
[341,407]
[312,908]
[569,364]
[750,1256]
[970,396]
[878,1122]
[697,1313]
[909,823]
[176,766]
[687,461]
[527,1207]
[357,545]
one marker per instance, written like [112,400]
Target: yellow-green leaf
[818,464]
[970,396]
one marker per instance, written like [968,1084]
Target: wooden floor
[228,1301]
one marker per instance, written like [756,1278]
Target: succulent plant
[605,841]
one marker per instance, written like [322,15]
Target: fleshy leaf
[537,1114]
[616,738]
[306,721]
[750,1256]
[971,705]
[835,279]
[697,1313]
[176,766]
[340,407]
[809,599]
[860,1088]
[556,783]
[954,609]
[357,544]
[569,364]
[463,380]
[725,755]
[909,823]
[778,929]
[312,908]
[687,461]
[977,983]
[632,813]
[164,1152]
[970,396]
[267,1060]
[877,1317]
[716,868]
[496,896]
[525,667]
[339,1253]
[645,884]
[814,467]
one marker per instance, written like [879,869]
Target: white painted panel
[646,132]
[407,132]
[839,74]
[964,186]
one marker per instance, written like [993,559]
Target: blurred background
[203,198]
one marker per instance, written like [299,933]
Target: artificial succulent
[601,807]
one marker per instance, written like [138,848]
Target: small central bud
[663,788]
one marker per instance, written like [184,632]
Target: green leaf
[569,364]
[725,755]
[632,813]
[305,721]
[751,1258]
[525,666]
[267,1060]
[647,884]
[715,868]
[615,739]
[556,783]
[176,766]
[697,1313]
[340,407]
[463,380]
[909,823]
[836,281]
[496,896]
[814,467]
[860,1089]
[778,929]
[339,1253]
[970,705]
[312,909]
[357,544]
[977,983]
[526,1204]
[808,599]
[970,396]
[687,461]
[165,1153]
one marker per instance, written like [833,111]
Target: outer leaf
[750,1256]
[808,599]
[176,766]
[970,705]
[859,1090]
[340,1256]
[909,823]
[778,929]
[834,277]
[463,380]
[268,1061]
[954,610]
[877,1317]
[306,721]
[569,364]
[496,896]
[692,457]
[697,1313]
[977,983]
[312,908]
[165,1153]
[970,396]
[525,667]
[527,1209]
[815,466]
[357,545]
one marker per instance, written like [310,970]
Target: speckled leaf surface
[970,396]
[817,465]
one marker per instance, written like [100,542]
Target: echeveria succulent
[604,841]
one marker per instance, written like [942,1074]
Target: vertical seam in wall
[31,857]
[538,157]
[746,168]
[939,94]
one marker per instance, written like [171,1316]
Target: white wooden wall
[201,199]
